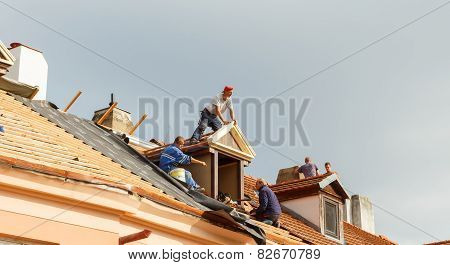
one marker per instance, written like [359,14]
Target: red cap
[228,88]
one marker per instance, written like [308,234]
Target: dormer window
[226,153]
[319,200]
[331,216]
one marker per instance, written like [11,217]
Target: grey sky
[380,117]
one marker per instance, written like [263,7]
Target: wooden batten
[107,113]
[131,132]
[75,98]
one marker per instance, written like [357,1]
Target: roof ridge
[299,180]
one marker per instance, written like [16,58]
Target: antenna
[112,100]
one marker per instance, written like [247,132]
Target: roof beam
[134,237]
[138,124]
[107,113]
[72,101]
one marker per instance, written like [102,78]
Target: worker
[211,115]
[309,169]
[269,209]
[172,157]
[328,171]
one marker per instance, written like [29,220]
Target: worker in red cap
[212,114]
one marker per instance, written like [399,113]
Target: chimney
[348,211]
[30,68]
[119,120]
[362,213]
[288,174]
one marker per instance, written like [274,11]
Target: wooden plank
[214,175]
[138,124]
[240,174]
[107,113]
[72,101]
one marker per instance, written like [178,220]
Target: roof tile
[356,236]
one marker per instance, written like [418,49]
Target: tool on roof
[72,101]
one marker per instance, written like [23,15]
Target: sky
[380,116]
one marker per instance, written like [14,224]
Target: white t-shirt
[219,101]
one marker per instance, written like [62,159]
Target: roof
[289,222]
[446,242]
[31,139]
[40,138]
[229,140]
[356,236]
[106,143]
[300,227]
[298,188]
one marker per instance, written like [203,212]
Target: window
[331,226]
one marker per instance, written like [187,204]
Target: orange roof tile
[353,235]
[356,236]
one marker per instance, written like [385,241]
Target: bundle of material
[243,206]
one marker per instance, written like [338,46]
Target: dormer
[320,200]
[6,59]
[226,153]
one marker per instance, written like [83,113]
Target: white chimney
[30,68]
[362,213]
